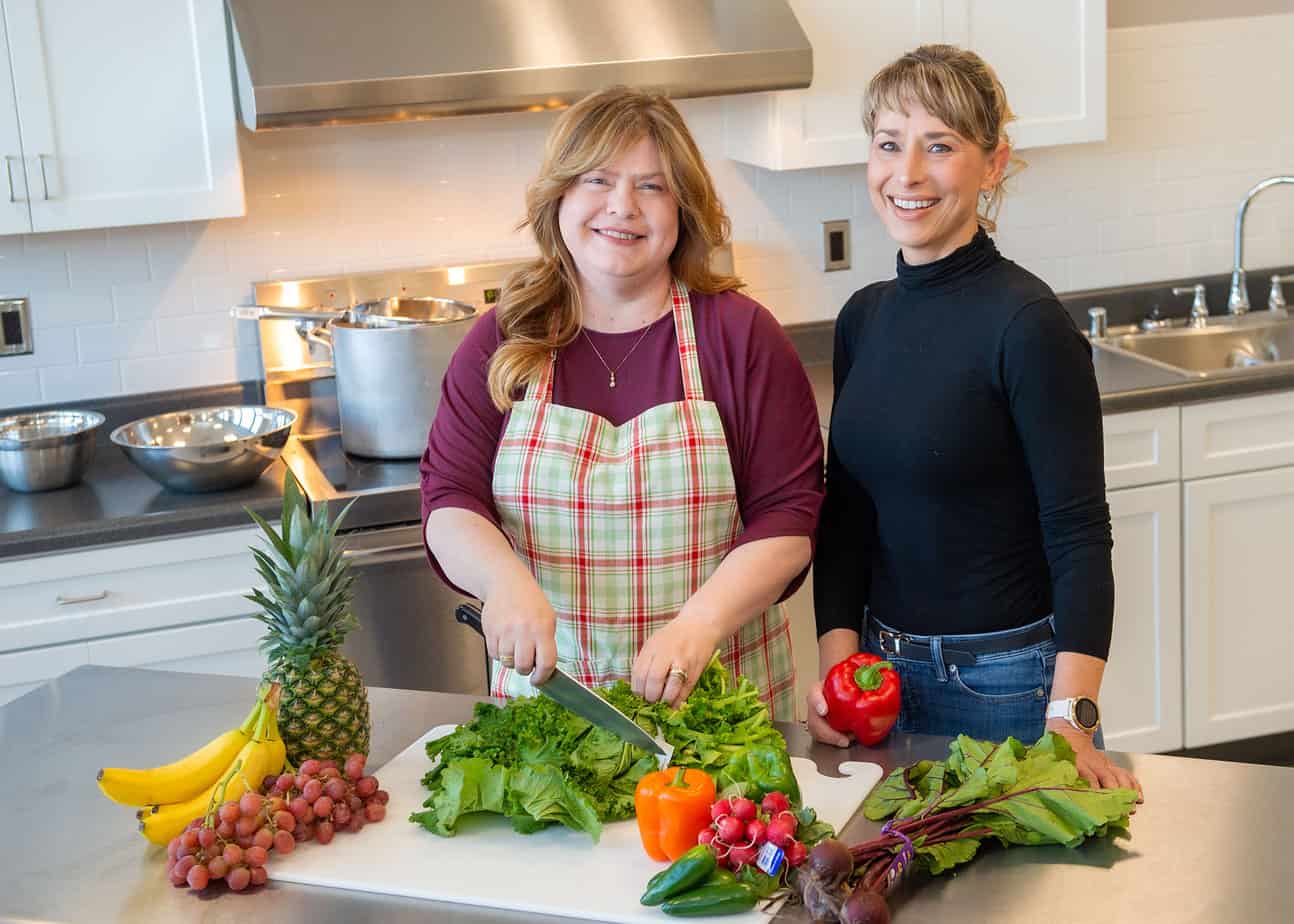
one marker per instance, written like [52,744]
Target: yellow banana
[183,779]
[261,756]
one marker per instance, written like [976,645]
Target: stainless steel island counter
[1209,845]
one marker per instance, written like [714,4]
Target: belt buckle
[885,636]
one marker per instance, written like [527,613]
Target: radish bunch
[740,827]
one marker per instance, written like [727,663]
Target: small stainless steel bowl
[207,449]
[46,450]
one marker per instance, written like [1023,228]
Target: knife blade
[565,690]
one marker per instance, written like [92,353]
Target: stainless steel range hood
[329,62]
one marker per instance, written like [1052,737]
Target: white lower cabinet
[175,604]
[225,647]
[1239,605]
[1141,694]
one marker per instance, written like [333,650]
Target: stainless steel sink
[1232,347]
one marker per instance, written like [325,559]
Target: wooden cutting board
[555,871]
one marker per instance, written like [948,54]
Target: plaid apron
[621,525]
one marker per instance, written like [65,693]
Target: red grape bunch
[233,842]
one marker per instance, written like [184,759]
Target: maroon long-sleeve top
[748,368]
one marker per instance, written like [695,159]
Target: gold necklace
[601,359]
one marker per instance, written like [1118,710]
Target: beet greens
[940,812]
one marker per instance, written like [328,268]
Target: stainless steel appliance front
[408,638]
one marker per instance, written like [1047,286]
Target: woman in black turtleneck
[965,534]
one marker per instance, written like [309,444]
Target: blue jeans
[1002,693]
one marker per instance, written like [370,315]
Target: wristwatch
[1079,711]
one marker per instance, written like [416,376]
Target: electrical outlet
[15,327]
[835,245]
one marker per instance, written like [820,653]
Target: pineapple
[307,606]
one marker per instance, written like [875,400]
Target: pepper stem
[869,677]
[678,777]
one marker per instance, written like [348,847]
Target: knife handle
[470,615]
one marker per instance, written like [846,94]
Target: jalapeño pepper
[728,898]
[691,869]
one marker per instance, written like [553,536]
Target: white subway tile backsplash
[1116,234]
[58,308]
[80,383]
[1185,228]
[1095,271]
[101,342]
[198,332]
[18,388]
[144,309]
[153,299]
[161,373]
[96,265]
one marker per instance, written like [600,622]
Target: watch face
[1085,712]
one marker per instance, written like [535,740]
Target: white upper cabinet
[1050,56]
[125,111]
[14,214]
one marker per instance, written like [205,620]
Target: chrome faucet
[1199,305]
[1276,297]
[1238,300]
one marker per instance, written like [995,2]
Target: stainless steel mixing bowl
[46,450]
[207,449]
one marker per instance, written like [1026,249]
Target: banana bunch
[224,768]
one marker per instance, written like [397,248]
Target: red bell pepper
[862,694]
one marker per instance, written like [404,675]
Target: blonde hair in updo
[958,88]
[539,308]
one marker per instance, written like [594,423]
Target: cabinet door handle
[8,169]
[66,599]
[387,552]
[44,181]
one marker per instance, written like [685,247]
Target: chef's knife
[562,688]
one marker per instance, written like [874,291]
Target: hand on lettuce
[686,642]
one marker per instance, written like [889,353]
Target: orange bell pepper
[673,807]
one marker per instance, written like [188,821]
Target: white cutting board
[555,871]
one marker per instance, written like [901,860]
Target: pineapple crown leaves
[308,584]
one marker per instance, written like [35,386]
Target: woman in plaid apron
[626,463]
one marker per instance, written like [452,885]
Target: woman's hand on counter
[1094,765]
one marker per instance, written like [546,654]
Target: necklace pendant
[613,380]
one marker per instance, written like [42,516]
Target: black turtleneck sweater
[965,482]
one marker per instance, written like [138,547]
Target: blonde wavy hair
[960,89]
[539,310]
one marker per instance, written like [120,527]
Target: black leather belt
[957,649]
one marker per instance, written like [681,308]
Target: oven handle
[383,553]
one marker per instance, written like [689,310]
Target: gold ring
[507,660]
[678,672]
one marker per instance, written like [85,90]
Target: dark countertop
[1126,384]
[117,502]
[1207,845]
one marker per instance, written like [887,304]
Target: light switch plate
[835,245]
[15,327]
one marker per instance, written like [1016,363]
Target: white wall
[1198,112]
